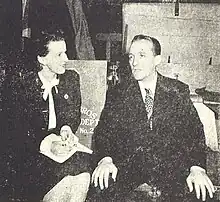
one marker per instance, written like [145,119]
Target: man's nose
[134,62]
[65,58]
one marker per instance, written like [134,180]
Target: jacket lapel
[162,102]
[36,106]
[133,106]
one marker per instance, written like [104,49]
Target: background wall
[10,25]
[190,41]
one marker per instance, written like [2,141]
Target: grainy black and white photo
[109,100]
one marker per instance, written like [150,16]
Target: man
[149,132]
[42,99]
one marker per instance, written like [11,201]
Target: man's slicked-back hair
[44,38]
[156,44]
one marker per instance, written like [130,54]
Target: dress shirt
[47,86]
[151,86]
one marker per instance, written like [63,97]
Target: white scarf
[47,86]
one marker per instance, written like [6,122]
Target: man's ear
[157,60]
[40,60]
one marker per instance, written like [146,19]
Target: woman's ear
[40,60]
[157,59]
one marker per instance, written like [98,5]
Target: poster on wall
[93,87]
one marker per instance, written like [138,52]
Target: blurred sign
[93,90]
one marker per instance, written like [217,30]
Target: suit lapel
[162,101]
[37,107]
[36,90]
[133,106]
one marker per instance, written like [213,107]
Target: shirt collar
[151,86]
[48,85]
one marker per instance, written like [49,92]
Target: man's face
[142,59]
[56,58]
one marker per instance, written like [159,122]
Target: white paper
[45,148]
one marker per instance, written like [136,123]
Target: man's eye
[142,55]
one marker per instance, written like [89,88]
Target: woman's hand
[66,143]
[68,137]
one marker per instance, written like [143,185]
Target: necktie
[148,103]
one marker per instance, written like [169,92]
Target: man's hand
[103,170]
[201,182]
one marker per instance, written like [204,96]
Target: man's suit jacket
[26,122]
[162,155]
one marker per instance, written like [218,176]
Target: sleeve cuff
[197,168]
[106,159]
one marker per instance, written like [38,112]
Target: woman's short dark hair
[156,44]
[42,41]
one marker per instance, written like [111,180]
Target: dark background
[103,16]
